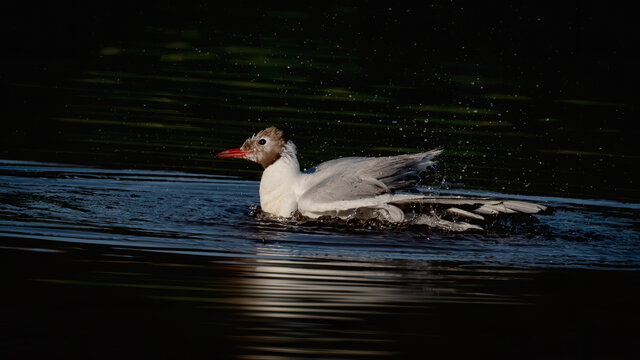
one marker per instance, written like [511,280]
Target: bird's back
[385,174]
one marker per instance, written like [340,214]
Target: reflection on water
[350,298]
[105,301]
[183,256]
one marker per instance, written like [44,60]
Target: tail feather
[477,205]
[436,222]
[462,214]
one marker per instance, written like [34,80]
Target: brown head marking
[266,146]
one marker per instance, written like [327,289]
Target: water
[178,262]
[121,235]
[212,215]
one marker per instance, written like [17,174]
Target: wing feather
[355,178]
[357,186]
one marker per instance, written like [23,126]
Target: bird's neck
[286,165]
[279,183]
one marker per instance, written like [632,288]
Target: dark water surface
[148,246]
[105,263]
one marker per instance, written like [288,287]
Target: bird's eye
[262,141]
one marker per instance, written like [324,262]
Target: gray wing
[355,178]
[461,214]
[339,186]
[474,208]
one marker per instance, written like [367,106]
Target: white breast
[279,187]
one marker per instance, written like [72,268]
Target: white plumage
[361,187]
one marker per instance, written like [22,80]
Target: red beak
[233,153]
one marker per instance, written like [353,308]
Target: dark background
[565,71]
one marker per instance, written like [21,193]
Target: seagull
[363,188]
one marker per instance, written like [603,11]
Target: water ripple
[180,212]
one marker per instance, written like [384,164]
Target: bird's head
[265,147]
